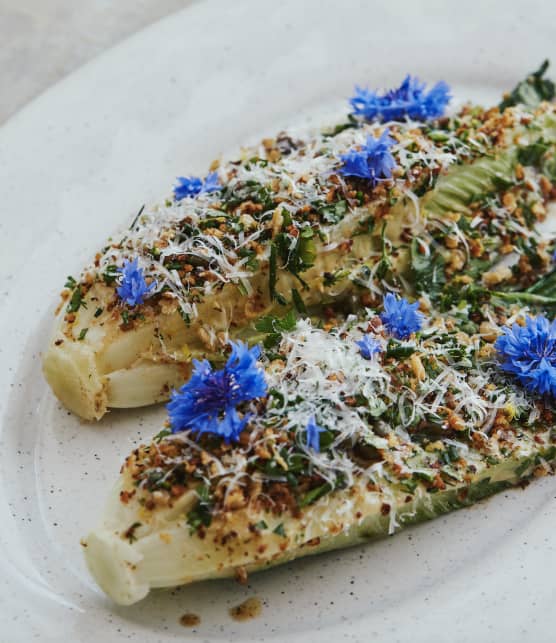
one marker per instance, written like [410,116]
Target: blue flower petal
[355,164]
[410,99]
[211,183]
[133,287]
[401,318]
[187,186]
[373,161]
[208,402]
[368,346]
[313,431]
[529,353]
[192,186]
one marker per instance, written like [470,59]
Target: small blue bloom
[313,431]
[368,346]
[187,186]
[529,352]
[373,161]
[400,317]
[211,183]
[208,402]
[133,287]
[192,186]
[410,99]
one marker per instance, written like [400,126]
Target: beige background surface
[41,41]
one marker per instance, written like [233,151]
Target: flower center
[545,349]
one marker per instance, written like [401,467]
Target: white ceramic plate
[77,163]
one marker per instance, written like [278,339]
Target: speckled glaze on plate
[80,160]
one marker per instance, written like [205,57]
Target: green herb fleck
[427,271]
[297,253]
[110,274]
[398,350]
[274,327]
[76,301]
[70,283]
[279,530]
[384,264]
[130,532]
[334,212]
[273,277]
[315,494]
[298,302]
[162,434]
[259,526]
[202,513]
[136,218]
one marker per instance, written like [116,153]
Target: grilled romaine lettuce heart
[287,229]
[355,439]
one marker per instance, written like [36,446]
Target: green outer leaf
[532,90]
[464,183]
[532,154]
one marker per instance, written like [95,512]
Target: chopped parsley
[76,301]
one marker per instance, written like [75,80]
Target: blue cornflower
[133,287]
[373,161]
[410,99]
[313,431]
[208,402]
[211,183]
[368,346]
[191,186]
[400,317]
[529,352]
